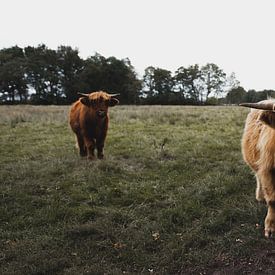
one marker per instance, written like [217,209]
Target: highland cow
[89,121]
[258,149]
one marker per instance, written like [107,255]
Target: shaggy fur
[258,149]
[89,120]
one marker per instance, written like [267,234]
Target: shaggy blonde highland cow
[258,149]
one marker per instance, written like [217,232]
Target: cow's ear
[268,118]
[85,100]
[112,102]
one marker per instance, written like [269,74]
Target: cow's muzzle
[101,113]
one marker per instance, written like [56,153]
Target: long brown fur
[89,121]
[258,149]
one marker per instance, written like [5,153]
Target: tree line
[39,75]
[239,94]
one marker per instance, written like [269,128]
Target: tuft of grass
[172,195]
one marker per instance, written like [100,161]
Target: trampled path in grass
[172,195]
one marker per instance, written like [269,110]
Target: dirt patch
[261,261]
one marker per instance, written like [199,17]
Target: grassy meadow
[172,195]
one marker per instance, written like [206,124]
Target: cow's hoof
[268,233]
[269,227]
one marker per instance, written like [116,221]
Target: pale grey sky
[237,35]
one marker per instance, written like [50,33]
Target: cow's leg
[99,147]
[81,146]
[100,140]
[90,145]
[267,179]
[270,219]
[259,190]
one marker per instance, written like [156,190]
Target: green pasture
[172,195]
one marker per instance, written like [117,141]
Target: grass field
[173,195]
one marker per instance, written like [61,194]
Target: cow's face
[99,102]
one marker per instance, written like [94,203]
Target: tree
[231,82]
[148,82]
[44,75]
[214,80]
[13,83]
[92,77]
[159,85]
[121,78]
[251,96]
[188,81]
[70,65]
[111,75]
[236,95]
[163,81]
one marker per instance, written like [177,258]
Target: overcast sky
[237,35]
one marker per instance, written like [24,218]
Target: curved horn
[262,106]
[85,95]
[113,95]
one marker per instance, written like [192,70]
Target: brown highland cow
[89,121]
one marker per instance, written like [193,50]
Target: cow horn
[86,95]
[113,95]
[262,106]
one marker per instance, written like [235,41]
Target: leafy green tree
[265,94]
[13,83]
[188,82]
[214,80]
[159,86]
[148,82]
[236,95]
[251,96]
[44,75]
[254,96]
[164,82]
[112,75]
[121,78]
[92,77]
[70,65]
